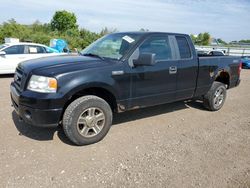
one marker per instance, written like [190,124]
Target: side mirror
[2,53]
[145,59]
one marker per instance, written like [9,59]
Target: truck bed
[211,66]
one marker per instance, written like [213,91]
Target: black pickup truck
[119,72]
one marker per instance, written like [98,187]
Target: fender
[220,72]
[84,86]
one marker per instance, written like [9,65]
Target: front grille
[18,77]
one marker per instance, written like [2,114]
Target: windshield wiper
[93,55]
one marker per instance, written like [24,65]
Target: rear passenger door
[34,51]
[187,67]
[154,84]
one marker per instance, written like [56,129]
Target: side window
[157,45]
[49,50]
[40,49]
[184,48]
[17,49]
[35,50]
[44,50]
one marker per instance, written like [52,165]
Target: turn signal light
[53,83]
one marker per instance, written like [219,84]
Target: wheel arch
[224,77]
[101,90]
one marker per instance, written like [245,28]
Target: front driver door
[154,84]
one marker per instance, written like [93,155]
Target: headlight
[42,84]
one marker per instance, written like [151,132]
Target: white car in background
[216,53]
[13,53]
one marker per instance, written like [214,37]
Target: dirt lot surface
[172,145]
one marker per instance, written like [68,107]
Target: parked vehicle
[245,62]
[202,53]
[119,72]
[216,53]
[13,53]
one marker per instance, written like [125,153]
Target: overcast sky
[226,19]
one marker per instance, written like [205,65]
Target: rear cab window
[184,48]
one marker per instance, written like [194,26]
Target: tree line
[63,25]
[204,39]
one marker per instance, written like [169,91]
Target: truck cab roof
[151,33]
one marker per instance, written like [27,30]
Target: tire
[215,97]
[87,120]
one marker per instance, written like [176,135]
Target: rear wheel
[215,97]
[87,120]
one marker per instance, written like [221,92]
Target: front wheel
[215,97]
[87,120]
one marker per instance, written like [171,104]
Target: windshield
[2,46]
[113,46]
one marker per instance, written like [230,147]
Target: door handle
[116,73]
[173,70]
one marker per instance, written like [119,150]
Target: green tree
[144,30]
[13,29]
[201,39]
[245,41]
[63,21]
[1,34]
[37,26]
[106,31]
[222,41]
[206,38]
[193,38]
[88,37]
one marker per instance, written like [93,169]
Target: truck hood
[58,64]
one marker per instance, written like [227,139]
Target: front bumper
[34,116]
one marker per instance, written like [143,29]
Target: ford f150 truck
[118,72]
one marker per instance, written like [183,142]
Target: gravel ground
[172,145]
